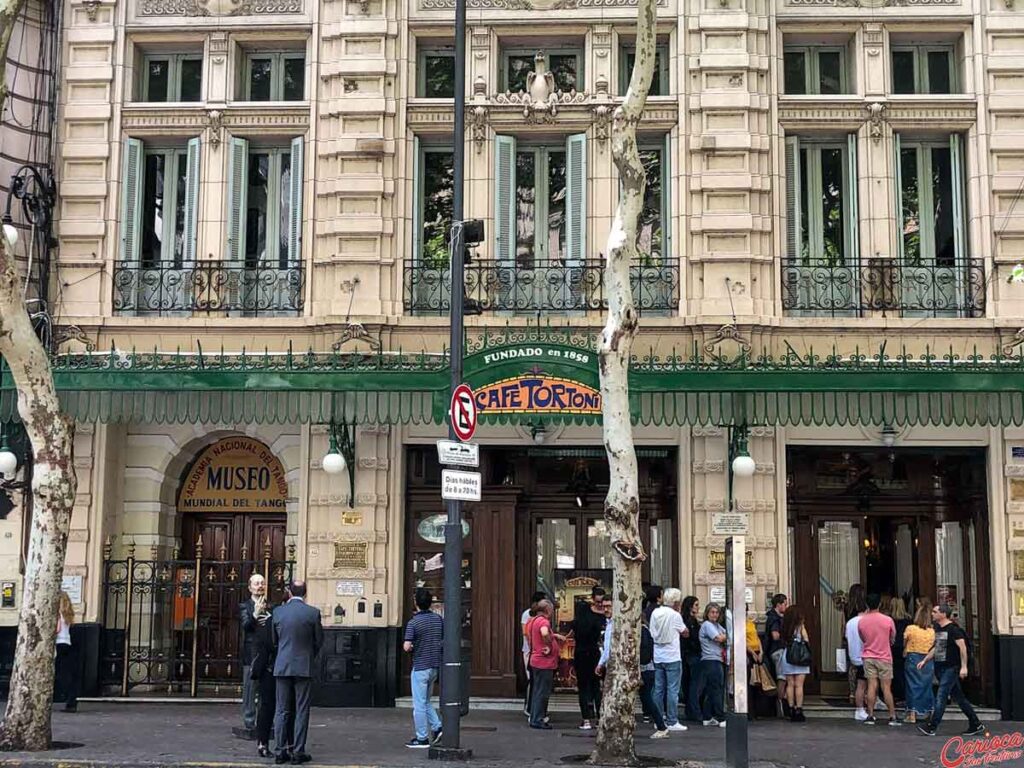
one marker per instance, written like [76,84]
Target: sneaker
[712,722]
[973,730]
[926,729]
[586,726]
[895,722]
[879,703]
[721,723]
[435,737]
[660,734]
[547,720]
[676,727]
[861,714]
[869,720]
[541,727]
[417,743]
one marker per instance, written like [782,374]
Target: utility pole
[451,670]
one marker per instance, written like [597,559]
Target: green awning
[532,379]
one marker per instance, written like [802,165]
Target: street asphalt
[116,735]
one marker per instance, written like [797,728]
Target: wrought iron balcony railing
[170,288]
[951,289]
[551,286]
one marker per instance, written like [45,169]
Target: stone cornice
[148,119]
[949,113]
[528,5]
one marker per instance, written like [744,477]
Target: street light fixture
[740,462]
[341,456]
[8,459]
[10,231]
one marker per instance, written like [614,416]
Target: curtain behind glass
[838,568]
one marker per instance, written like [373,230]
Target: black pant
[67,674]
[266,691]
[588,683]
[543,684]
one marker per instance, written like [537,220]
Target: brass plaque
[1018,600]
[351,517]
[1018,565]
[351,554]
[1016,489]
[716,561]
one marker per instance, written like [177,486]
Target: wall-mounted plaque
[351,554]
[729,523]
[1016,489]
[716,561]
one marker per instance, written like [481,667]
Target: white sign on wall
[718,595]
[457,485]
[348,588]
[729,523]
[73,586]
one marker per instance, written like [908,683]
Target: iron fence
[944,289]
[167,288]
[172,626]
[554,286]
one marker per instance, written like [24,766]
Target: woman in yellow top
[918,639]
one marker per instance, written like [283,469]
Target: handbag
[798,653]
[762,678]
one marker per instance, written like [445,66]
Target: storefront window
[556,548]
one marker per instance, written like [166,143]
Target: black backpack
[646,646]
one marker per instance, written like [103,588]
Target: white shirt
[522,622]
[666,627]
[63,631]
[854,645]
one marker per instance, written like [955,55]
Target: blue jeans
[423,713]
[920,698]
[711,689]
[667,677]
[949,685]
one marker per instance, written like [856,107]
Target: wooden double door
[234,546]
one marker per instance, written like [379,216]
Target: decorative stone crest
[727,336]
[602,121]
[356,332]
[91,7]
[478,122]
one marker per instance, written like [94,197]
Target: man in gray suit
[297,636]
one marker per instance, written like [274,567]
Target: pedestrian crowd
[685,657]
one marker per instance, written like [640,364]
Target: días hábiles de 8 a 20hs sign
[235,474]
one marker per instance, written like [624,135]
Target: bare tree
[26,724]
[622,505]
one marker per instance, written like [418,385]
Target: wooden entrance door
[233,548]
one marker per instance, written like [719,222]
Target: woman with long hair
[898,613]
[691,657]
[918,639]
[794,632]
[66,667]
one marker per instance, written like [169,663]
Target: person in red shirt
[545,646]
[878,632]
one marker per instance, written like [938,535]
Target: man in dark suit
[253,615]
[297,636]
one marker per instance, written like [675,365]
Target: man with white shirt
[666,628]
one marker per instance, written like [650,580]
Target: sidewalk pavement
[143,735]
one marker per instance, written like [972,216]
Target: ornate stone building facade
[825,178]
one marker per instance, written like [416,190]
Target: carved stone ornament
[91,7]
[215,127]
[529,5]
[872,3]
[478,122]
[62,334]
[727,339]
[602,121]
[875,119]
[356,332]
[218,7]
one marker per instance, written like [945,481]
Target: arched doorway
[233,507]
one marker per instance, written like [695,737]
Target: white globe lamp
[743,466]
[333,463]
[8,461]
[10,232]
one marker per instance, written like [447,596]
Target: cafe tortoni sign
[535,379]
[235,474]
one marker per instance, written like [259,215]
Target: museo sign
[235,474]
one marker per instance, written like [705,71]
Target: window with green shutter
[821,184]
[931,201]
[265,186]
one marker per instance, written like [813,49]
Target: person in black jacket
[262,675]
[691,657]
[255,605]
[588,628]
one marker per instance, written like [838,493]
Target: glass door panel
[839,554]
[599,545]
[556,548]
[661,550]
[905,565]
[949,569]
